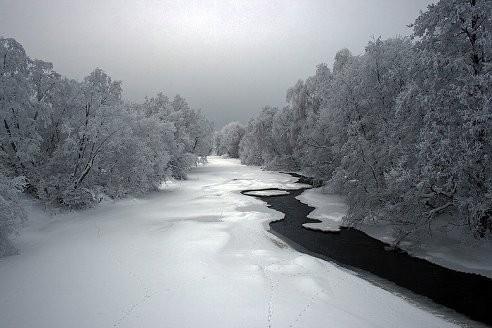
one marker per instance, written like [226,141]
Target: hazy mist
[229,58]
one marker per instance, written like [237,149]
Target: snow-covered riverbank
[443,249]
[195,255]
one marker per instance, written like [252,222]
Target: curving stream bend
[466,293]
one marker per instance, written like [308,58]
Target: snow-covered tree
[454,39]
[228,139]
[19,139]
[364,96]
[193,133]
[257,146]
[76,142]
[11,213]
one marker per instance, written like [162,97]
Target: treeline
[403,130]
[71,143]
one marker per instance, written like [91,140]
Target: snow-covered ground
[443,249]
[194,255]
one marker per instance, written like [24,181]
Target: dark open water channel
[466,293]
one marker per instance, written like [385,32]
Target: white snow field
[196,255]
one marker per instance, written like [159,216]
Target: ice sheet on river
[328,208]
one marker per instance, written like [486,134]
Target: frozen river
[197,254]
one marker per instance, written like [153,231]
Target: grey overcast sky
[229,58]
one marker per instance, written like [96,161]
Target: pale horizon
[228,58]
